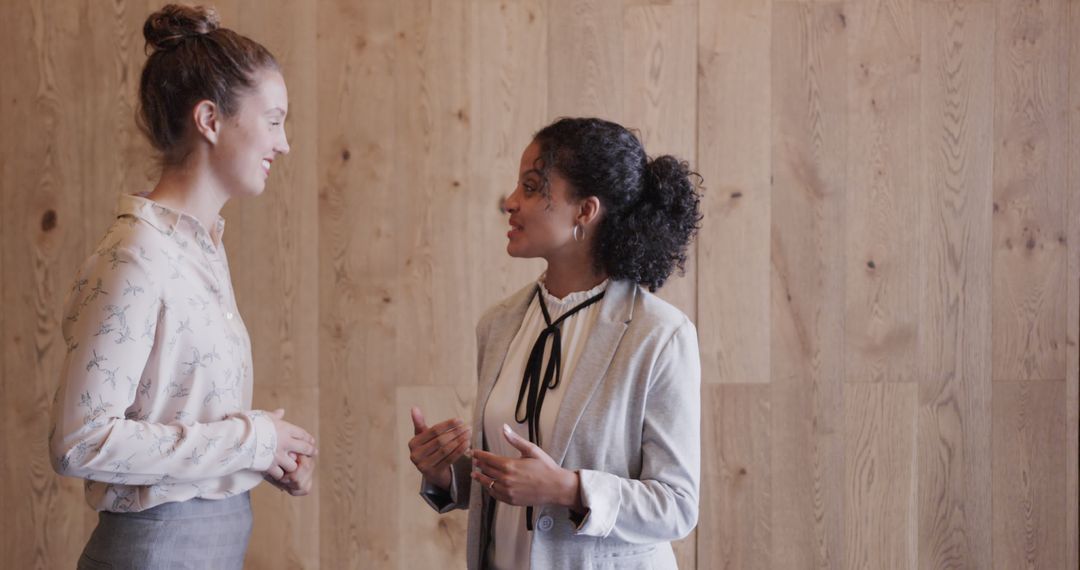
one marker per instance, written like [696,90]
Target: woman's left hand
[297,483]
[532,479]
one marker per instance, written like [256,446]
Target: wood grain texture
[809,140]
[954,386]
[884,276]
[1029,474]
[733,248]
[734,528]
[431,94]
[357,265]
[1072,368]
[880,475]
[917,411]
[585,54]
[1031,91]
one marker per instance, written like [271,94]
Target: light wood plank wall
[886,287]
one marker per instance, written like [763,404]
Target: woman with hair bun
[154,404]
[586,450]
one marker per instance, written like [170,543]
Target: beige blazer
[630,423]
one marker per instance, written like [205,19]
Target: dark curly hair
[651,207]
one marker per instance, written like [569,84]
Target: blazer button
[545,523]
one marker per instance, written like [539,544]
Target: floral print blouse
[155,391]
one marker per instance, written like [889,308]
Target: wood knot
[736,194]
[871,264]
[48,221]
[345,155]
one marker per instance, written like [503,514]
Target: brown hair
[191,59]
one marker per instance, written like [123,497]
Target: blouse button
[229,315]
[545,523]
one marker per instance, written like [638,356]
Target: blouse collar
[572,298]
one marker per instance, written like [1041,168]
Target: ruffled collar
[557,305]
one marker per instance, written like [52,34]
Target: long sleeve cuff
[265,440]
[442,500]
[601,498]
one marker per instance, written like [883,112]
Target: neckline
[572,298]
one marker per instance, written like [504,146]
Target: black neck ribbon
[534,387]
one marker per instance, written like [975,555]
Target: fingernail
[507,430]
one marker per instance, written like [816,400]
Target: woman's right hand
[433,449]
[292,440]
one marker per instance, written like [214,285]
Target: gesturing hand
[433,449]
[532,479]
[292,441]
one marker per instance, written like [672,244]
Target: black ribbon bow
[534,387]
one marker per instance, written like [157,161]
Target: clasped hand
[293,469]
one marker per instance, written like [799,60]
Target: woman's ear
[207,120]
[588,210]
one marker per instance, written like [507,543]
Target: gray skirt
[193,534]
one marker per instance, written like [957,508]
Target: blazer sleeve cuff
[442,500]
[601,498]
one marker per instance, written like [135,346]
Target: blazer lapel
[616,311]
[504,326]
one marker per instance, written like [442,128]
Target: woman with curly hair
[586,450]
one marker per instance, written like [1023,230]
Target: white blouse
[511,541]
[154,402]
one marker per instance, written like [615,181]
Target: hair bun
[666,177]
[172,24]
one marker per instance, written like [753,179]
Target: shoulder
[652,312]
[130,244]
[132,234]
[514,302]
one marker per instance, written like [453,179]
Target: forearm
[629,509]
[145,453]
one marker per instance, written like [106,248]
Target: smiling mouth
[266,164]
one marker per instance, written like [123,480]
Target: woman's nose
[505,205]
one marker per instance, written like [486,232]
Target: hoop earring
[579,230]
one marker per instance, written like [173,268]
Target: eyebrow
[277,110]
